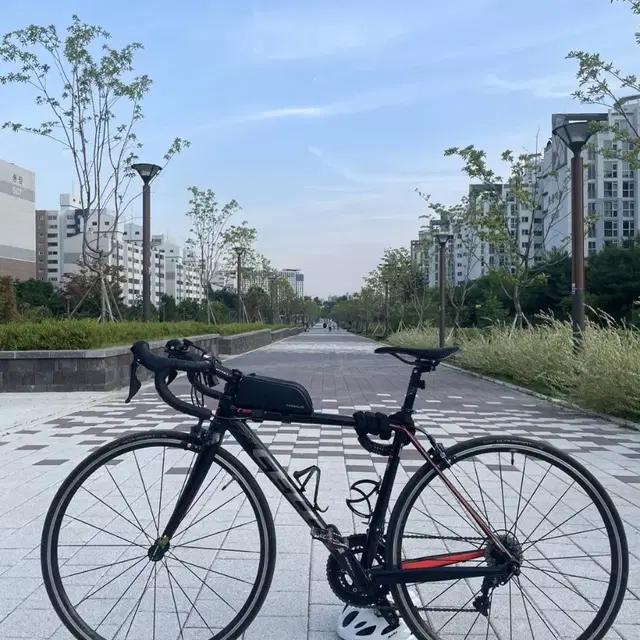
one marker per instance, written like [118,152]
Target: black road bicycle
[497,537]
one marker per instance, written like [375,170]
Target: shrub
[604,377]
[8,303]
[89,334]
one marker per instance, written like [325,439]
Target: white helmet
[356,624]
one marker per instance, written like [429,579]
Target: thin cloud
[550,87]
[385,178]
[386,97]
[305,32]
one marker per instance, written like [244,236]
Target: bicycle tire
[617,538]
[254,494]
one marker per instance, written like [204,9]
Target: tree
[8,303]
[33,296]
[257,304]
[509,215]
[207,242]
[409,300]
[81,290]
[454,220]
[613,279]
[598,82]
[93,107]
[167,311]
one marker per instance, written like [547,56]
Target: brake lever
[134,383]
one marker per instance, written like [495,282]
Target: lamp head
[147,171]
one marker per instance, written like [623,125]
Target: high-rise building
[610,185]
[295,277]
[61,236]
[17,221]
[469,255]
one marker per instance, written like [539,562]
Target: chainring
[341,583]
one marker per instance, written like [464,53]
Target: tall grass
[90,334]
[604,377]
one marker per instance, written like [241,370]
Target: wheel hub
[158,549]
[496,557]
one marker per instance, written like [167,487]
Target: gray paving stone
[342,375]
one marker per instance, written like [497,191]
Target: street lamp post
[575,135]
[239,251]
[147,172]
[442,237]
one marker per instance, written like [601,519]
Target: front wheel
[547,509]
[103,571]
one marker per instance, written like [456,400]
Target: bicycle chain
[432,537]
[457,539]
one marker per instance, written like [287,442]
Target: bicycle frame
[426,569]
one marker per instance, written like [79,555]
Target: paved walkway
[342,375]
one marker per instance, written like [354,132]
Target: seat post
[415,382]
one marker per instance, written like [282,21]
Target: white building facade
[121,245]
[610,185]
[468,254]
[17,221]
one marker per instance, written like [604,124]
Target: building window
[591,190]
[628,208]
[591,248]
[592,231]
[591,208]
[591,172]
[525,232]
[610,228]
[610,189]
[52,235]
[524,219]
[628,189]
[628,228]
[610,169]
[610,208]
[627,171]
[54,270]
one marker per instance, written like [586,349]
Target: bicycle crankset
[341,583]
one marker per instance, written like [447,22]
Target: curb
[621,422]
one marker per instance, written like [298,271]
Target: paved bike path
[342,375]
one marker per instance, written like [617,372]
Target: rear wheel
[102,567]
[548,510]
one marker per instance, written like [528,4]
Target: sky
[321,118]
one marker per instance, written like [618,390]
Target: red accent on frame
[443,560]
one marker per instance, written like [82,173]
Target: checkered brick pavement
[342,375]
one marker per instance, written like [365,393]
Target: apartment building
[469,255]
[295,278]
[61,235]
[17,221]
[610,186]
[182,276]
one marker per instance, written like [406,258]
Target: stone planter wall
[106,369]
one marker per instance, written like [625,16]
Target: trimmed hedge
[605,377]
[90,334]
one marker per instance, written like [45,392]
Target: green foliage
[90,334]
[605,378]
[8,303]
[603,83]
[35,294]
